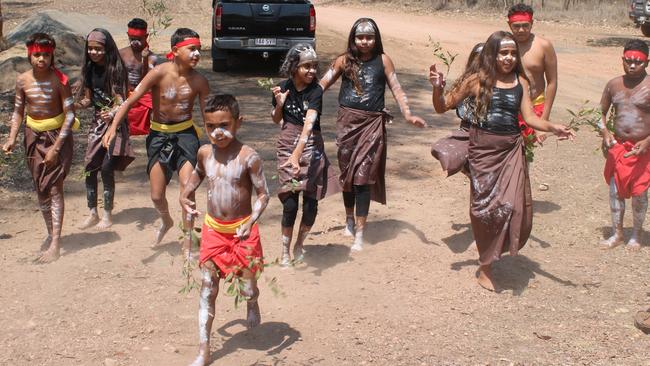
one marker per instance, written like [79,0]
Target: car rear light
[312,19]
[218,12]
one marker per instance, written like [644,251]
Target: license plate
[265,41]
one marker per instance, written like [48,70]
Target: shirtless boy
[230,240]
[627,170]
[173,141]
[138,60]
[45,93]
[538,58]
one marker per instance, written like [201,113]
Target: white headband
[307,55]
[508,42]
[365,28]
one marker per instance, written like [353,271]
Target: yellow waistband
[176,127]
[49,124]
[539,100]
[225,227]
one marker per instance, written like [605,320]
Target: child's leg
[485,277]
[639,210]
[289,213]
[183,176]
[91,198]
[45,205]
[158,185]
[309,212]
[58,209]
[253,316]
[362,194]
[108,180]
[617,207]
[209,291]
[348,202]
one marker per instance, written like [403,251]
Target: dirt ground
[409,298]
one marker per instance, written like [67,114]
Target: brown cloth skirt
[452,151]
[120,150]
[317,178]
[361,138]
[37,144]
[501,205]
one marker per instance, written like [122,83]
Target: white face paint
[195,53]
[364,42]
[219,131]
[96,52]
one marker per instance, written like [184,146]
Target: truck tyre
[219,64]
[645,29]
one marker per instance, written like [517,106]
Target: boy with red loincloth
[540,64]
[138,60]
[45,92]
[230,240]
[627,170]
[173,141]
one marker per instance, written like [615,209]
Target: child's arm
[148,82]
[204,92]
[332,74]
[193,182]
[85,101]
[398,93]
[537,123]
[256,173]
[68,110]
[280,98]
[16,118]
[605,105]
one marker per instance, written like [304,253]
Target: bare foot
[50,255]
[90,221]
[105,223]
[613,241]
[253,317]
[203,358]
[485,278]
[633,245]
[167,223]
[298,253]
[349,226]
[285,260]
[358,242]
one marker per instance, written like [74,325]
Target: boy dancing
[230,240]
[45,92]
[627,170]
[173,141]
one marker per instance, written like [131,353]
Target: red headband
[36,48]
[520,16]
[635,55]
[135,32]
[185,42]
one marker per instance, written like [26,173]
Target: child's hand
[294,163]
[608,139]
[8,147]
[51,157]
[416,121]
[639,148]
[189,206]
[106,116]
[280,97]
[563,132]
[108,138]
[436,78]
[244,231]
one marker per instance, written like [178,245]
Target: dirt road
[409,299]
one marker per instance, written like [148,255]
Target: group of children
[499,97]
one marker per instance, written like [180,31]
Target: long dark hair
[488,70]
[115,81]
[352,54]
[471,67]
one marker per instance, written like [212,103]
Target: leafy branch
[266,83]
[157,11]
[442,54]
[590,117]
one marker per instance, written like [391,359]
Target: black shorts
[172,150]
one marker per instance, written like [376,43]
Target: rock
[170,349]
[110,362]
[543,187]
[98,332]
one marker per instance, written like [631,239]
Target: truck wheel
[645,29]
[219,64]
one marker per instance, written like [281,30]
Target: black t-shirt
[95,82]
[298,102]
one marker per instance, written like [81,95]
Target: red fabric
[139,116]
[525,129]
[631,174]
[185,42]
[635,55]
[135,32]
[229,253]
[520,17]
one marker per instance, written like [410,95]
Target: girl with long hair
[104,81]
[302,163]
[361,123]
[501,202]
